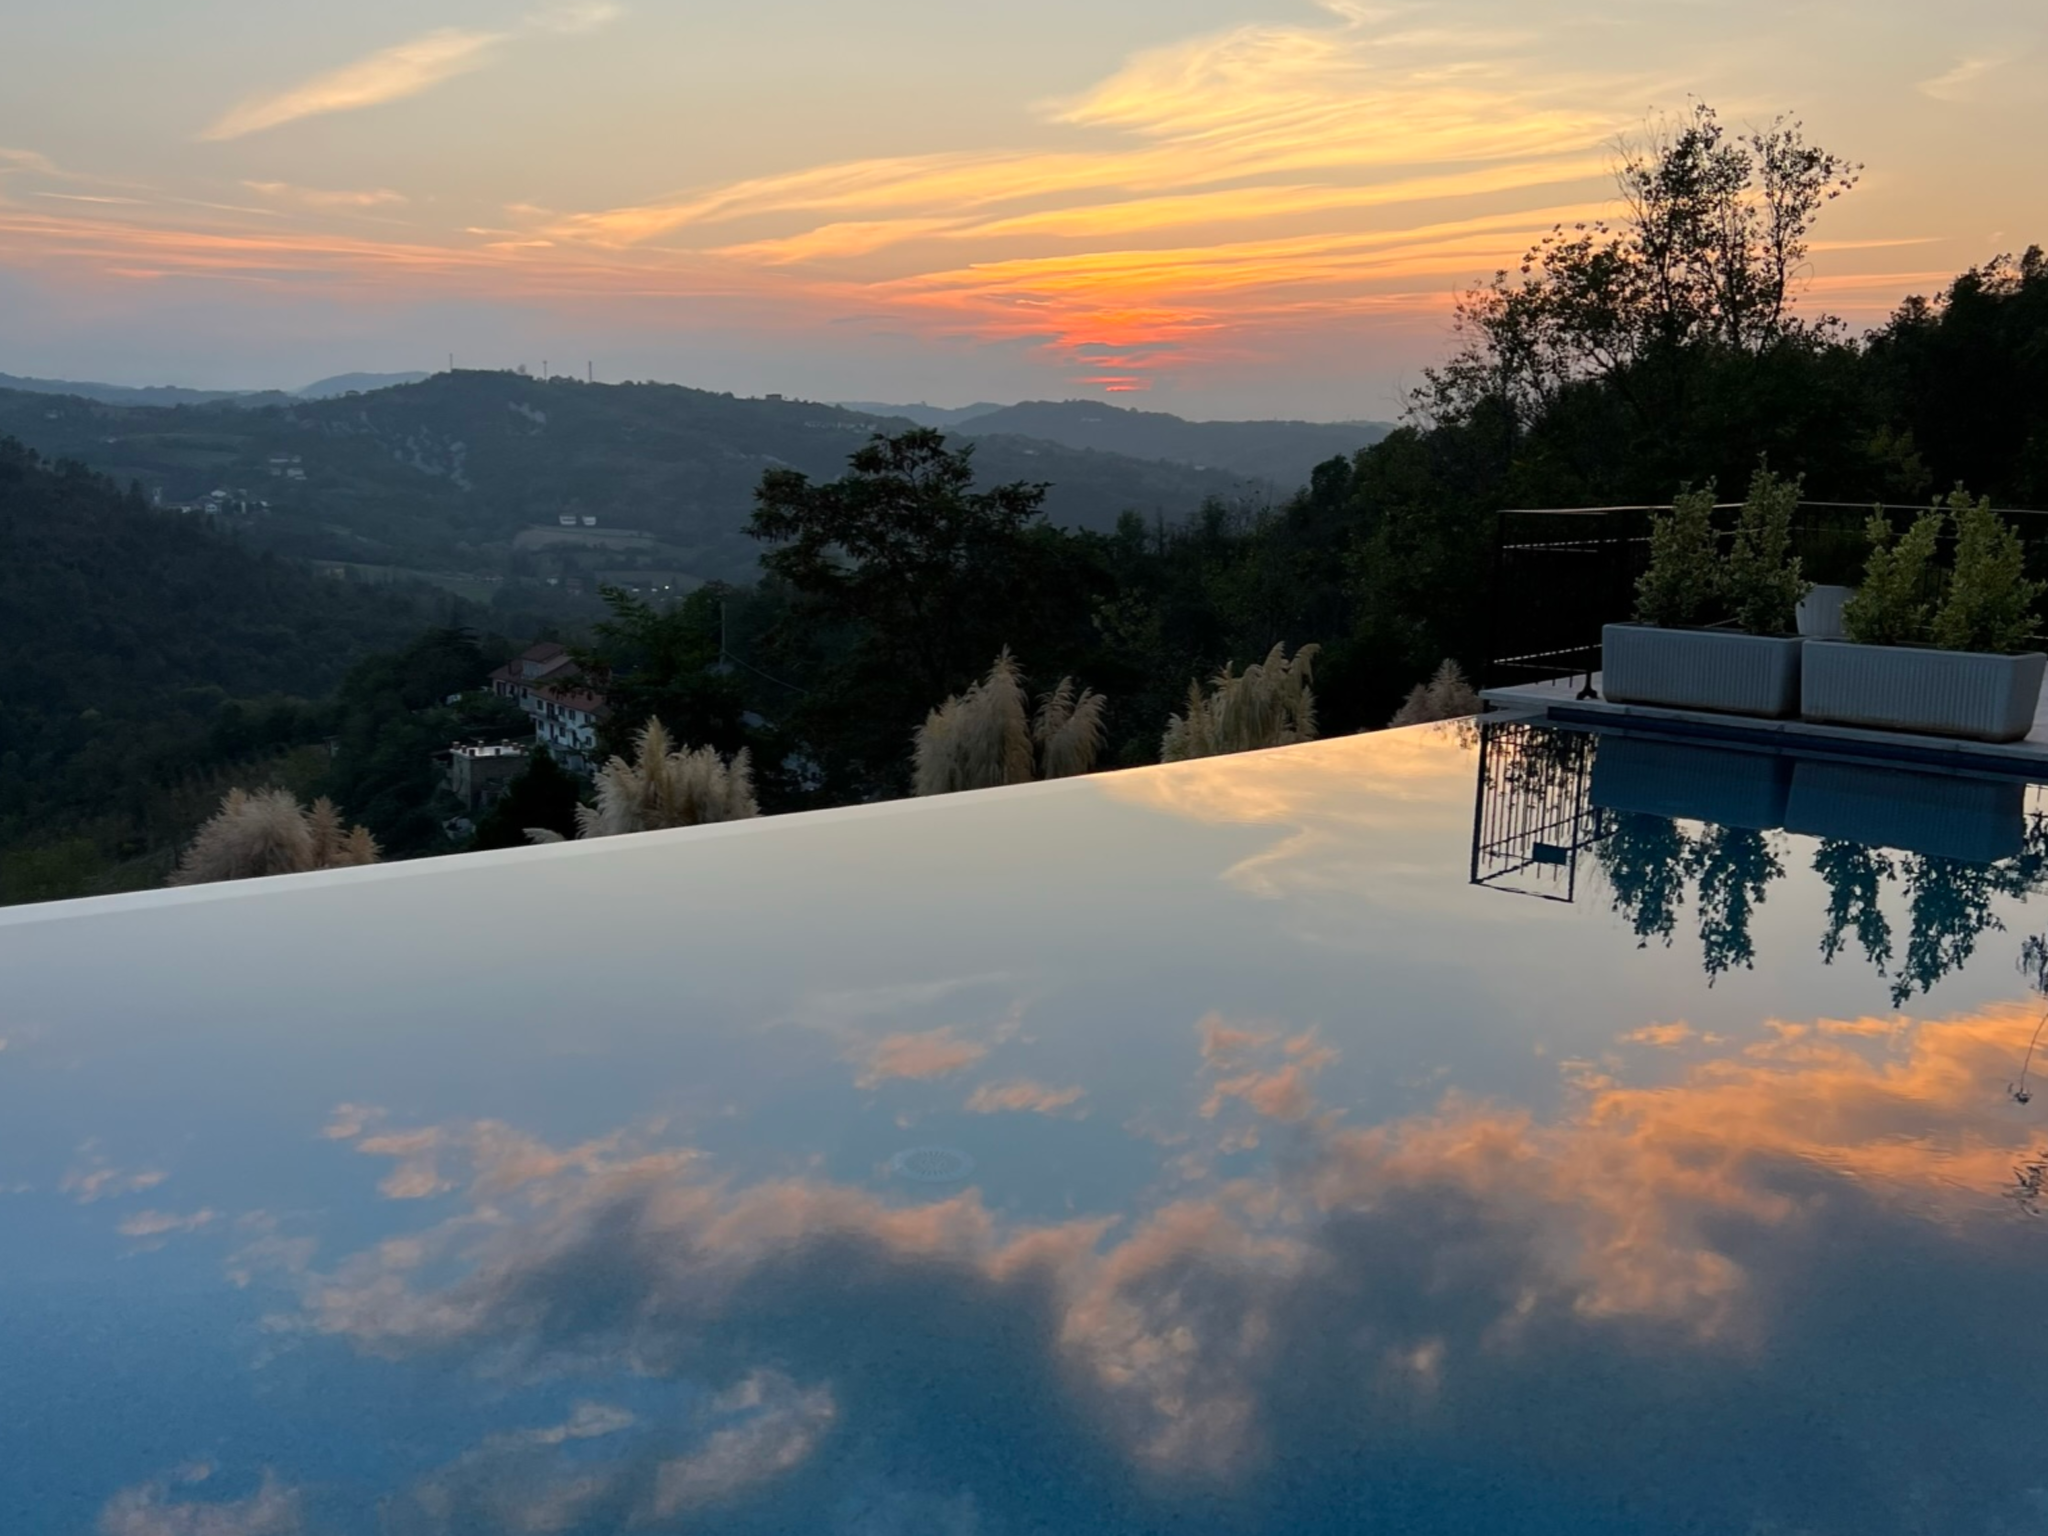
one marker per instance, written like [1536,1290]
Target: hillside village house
[546,682]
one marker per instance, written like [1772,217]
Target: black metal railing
[1561,574]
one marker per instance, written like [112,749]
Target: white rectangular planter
[1938,693]
[1713,669]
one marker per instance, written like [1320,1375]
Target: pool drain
[932,1165]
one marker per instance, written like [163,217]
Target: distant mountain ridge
[1280,452]
[127,394]
[356,384]
[940,416]
[172,394]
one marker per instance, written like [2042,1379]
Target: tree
[543,796]
[270,833]
[662,662]
[1706,258]
[905,578]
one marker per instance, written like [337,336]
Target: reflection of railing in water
[1534,811]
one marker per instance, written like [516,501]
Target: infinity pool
[1425,1132]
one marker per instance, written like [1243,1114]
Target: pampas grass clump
[1269,704]
[1446,696]
[270,833]
[984,738]
[663,787]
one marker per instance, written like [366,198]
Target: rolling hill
[464,472]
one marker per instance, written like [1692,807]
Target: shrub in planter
[1942,656]
[1762,578]
[1750,670]
[1990,604]
[1682,586]
[1891,607]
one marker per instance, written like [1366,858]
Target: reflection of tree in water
[1856,876]
[1734,866]
[1649,861]
[1952,908]
[1646,860]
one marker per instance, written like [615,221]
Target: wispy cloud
[317,197]
[1959,83]
[391,74]
[402,70]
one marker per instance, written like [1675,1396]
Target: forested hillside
[123,633]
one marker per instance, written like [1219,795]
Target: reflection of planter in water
[1700,669]
[1941,815]
[1941,693]
[1691,783]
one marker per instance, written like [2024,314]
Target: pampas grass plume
[270,833]
[983,738]
[1269,704]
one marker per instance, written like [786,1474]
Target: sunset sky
[1217,207]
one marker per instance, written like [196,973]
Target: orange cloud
[1275,1084]
[914,1057]
[1022,1096]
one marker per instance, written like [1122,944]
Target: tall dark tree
[663,664]
[906,581]
[543,796]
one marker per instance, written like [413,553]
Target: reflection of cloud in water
[1274,1076]
[94,1178]
[759,1430]
[914,1057]
[1024,1096]
[1326,793]
[1696,1306]
[153,1510]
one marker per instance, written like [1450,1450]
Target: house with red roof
[545,681]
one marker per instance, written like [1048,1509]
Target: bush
[1990,604]
[1683,582]
[1762,578]
[1891,607]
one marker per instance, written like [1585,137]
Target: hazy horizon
[1219,208]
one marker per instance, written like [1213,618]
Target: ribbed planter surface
[1946,815]
[1692,783]
[1700,669]
[1938,693]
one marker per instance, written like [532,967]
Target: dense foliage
[125,635]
